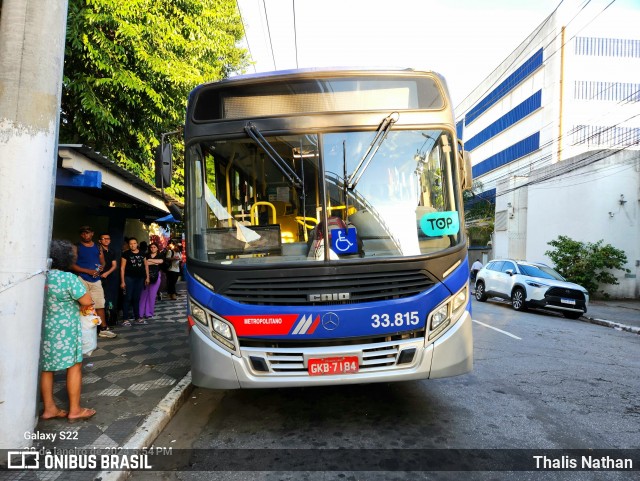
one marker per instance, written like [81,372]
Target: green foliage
[129,67]
[479,215]
[587,264]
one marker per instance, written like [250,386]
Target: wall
[584,204]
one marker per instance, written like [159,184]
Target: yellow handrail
[228,187]
[254,212]
[306,223]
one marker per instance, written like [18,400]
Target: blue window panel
[486,196]
[511,82]
[460,128]
[517,150]
[89,178]
[515,115]
[489,195]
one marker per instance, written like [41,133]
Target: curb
[614,325]
[153,424]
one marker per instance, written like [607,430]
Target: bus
[324,228]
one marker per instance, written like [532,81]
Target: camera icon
[23,460]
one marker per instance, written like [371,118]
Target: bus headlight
[222,328]
[198,313]
[448,313]
[440,316]
[216,327]
[222,332]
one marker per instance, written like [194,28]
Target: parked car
[531,284]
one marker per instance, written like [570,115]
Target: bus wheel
[517,299]
[480,294]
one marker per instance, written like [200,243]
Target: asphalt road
[540,382]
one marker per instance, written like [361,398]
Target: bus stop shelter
[92,190]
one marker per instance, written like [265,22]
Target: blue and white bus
[324,220]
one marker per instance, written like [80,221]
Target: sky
[464,40]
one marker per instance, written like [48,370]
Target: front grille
[288,344]
[565,293]
[362,287]
[372,358]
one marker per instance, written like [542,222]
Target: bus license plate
[333,365]
[568,301]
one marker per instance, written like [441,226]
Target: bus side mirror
[164,165]
[466,179]
[175,211]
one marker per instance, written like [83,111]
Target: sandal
[86,414]
[141,322]
[59,415]
[126,323]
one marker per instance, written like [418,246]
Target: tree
[129,67]
[587,264]
[479,215]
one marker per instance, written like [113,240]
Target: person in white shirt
[174,254]
[475,267]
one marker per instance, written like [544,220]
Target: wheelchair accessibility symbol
[343,241]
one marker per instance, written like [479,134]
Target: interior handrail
[254,212]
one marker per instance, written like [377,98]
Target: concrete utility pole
[32,34]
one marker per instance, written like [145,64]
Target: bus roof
[313,72]
[382,89]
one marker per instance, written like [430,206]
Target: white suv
[530,284]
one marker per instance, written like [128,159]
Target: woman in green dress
[62,335]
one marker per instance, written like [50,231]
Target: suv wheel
[480,294]
[517,299]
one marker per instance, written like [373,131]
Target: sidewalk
[622,314]
[135,381]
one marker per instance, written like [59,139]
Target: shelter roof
[84,173]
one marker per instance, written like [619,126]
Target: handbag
[153,274]
[89,321]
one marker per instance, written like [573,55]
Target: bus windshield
[258,199]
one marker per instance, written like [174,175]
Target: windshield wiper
[375,144]
[271,152]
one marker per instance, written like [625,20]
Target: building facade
[554,137]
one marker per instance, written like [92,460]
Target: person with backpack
[173,258]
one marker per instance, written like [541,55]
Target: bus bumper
[453,351]
[215,368]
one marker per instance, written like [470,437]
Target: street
[540,381]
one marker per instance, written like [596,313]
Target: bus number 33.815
[324,229]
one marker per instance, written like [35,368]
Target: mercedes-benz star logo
[330,321]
